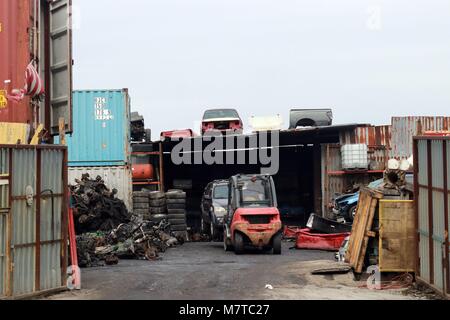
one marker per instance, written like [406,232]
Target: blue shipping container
[101,128]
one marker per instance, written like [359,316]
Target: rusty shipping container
[33,220]
[41,31]
[431,180]
[405,128]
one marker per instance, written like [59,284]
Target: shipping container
[431,182]
[405,128]
[40,31]
[101,135]
[33,220]
[119,178]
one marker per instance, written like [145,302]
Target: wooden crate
[362,228]
[397,247]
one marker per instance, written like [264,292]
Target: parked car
[177,134]
[346,205]
[214,206]
[223,121]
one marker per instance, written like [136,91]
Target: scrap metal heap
[96,207]
[107,232]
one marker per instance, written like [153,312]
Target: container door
[61,64]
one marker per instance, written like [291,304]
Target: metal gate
[33,219]
[432,175]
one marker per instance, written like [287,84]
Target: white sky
[367,60]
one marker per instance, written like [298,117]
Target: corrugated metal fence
[432,175]
[33,219]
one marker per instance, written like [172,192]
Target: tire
[176,211]
[173,206]
[140,194]
[157,218]
[141,212]
[205,228]
[176,195]
[179,228]
[177,222]
[158,210]
[141,205]
[277,244]
[177,216]
[238,243]
[155,195]
[351,213]
[176,201]
[157,202]
[213,231]
[140,200]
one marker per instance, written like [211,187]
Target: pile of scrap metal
[138,131]
[107,232]
[142,240]
[96,207]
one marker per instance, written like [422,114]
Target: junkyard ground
[203,271]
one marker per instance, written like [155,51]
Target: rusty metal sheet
[405,128]
[369,135]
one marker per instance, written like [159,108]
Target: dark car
[223,121]
[214,208]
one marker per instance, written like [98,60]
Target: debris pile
[96,207]
[107,232]
[142,240]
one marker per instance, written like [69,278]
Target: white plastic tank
[354,156]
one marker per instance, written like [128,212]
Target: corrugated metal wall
[35,226]
[432,175]
[119,178]
[369,135]
[405,128]
[4,210]
[101,136]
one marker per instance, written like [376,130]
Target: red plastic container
[315,241]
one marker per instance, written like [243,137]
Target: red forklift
[253,219]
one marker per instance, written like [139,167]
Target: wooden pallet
[362,228]
[397,249]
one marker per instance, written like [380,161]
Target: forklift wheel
[238,243]
[277,244]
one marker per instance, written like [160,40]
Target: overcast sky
[367,60]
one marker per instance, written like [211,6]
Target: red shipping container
[14,57]
[41,31]
[315,241]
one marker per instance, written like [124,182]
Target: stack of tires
[158,207]
[141,204]
[176,208]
